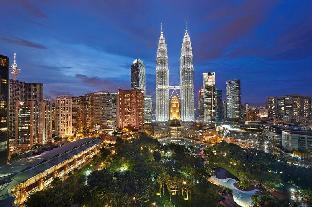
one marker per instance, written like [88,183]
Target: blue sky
[80,46]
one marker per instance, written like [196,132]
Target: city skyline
[238,46]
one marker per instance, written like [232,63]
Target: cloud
[245,18]
[34,10]
[98,83]
[22,42]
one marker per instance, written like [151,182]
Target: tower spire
[14,68]
[185,26]
[161,28]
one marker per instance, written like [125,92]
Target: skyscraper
[200,111]
[209,86]
[187,80]
[4,108]
[138,75]
[290,108]
[148,108]
[233,100]
[130,109]
[219,107]
[26,115]
[162,81]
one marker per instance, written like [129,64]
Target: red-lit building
[130,109]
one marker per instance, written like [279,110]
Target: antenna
[14,68]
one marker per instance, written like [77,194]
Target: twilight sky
[80,46]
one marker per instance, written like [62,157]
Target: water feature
[242,198]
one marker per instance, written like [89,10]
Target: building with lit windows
[187,80]
[148,109]
[209,87]
[26,115]
[162,81]
[130,109]
[297,140]
[4,108]
[63,112]
[175,108]
[289,109]
[233,100]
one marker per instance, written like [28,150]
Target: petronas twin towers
[186,80]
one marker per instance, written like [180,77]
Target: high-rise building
[138,75]
[26,115]
[46,123]
[219,107]
[162,81]
[103,110]
[209,86]
[64,113]
[289,109]
[200,110]
[148,109]
[175,108]
[233,100]
[272,107]
[187,80]
[79,115]
[4,108]
[130,109]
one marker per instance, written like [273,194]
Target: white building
[297,140]
[187,80]
[162,81]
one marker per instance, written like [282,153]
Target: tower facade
[162,81]
[187,80]
[233,100]
[4,108]
[138,75]
[209,86]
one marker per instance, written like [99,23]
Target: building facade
[162,81]
[138,79]
[64,113]
[148,109]
[130,109]
[209,86]
[187,80]
[175,108]
[26,115]
[297,140]
[289,109]
[4,108]
[233,100]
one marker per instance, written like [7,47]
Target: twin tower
[186,80]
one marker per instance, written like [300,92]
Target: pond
[242,198]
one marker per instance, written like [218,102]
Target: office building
[4,108]
[297,140]
[233,100]
[162,81]
[26,115]
[148,109]
[138,75]
[209,86]
[187,80]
